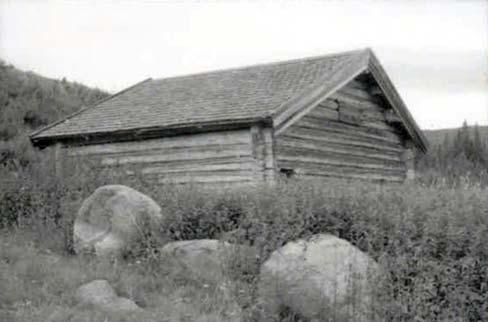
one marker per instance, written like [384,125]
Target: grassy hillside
[430,242]
[29,101]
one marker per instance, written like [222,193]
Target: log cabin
[337,115]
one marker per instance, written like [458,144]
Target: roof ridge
[282,62]
[42,129]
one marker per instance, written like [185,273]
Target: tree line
[462,155]
[29,101]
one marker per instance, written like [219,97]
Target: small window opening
[288,173]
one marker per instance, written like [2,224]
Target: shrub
[430,239]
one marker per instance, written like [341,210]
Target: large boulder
[210,259]
[322,278]
[112,218]
[99,293]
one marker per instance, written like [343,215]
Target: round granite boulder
[112,219]
[212,260]
[100,294]
[319,278]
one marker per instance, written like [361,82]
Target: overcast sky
[436,52]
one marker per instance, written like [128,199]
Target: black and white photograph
[243,160]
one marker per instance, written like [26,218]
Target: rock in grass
[99,293]
[321,278]
[111,218]
[211,259]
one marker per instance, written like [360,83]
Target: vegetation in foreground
[432,240]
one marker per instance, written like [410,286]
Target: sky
[435,52]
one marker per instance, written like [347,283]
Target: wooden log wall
[346,136]
[408,157]
[224,157]
[263,152]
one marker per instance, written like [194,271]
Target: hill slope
[29,101]
[436,137]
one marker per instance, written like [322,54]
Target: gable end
[365,64]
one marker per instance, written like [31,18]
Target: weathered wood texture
[216,157]
[408,157]
[263,152]
[350,135]
[353,134]
[298,106]
[58,160]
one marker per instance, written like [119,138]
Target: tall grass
[431,239]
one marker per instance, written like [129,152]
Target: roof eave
[33,135]
[393,97]
[151,132]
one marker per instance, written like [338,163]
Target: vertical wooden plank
[259,150]
[263,152]
[408,156]
[269,155]
[58,160]
[256,142]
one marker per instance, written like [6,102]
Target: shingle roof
[268,92]
[233,94]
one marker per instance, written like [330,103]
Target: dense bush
[431,240]
[34,197]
